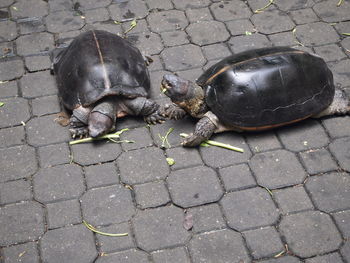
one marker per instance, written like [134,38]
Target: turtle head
[186,94]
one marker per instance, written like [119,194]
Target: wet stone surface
[288,189]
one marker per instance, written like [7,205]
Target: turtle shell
[268,87]
[97,64]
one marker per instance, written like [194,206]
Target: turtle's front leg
[173,112]
[203,131]
[78,122]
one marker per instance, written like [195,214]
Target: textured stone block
[38,84]
[263,141]
[128,256]
[29,8]
[8,30]
[63,21]
[14,112]
[273,21]
[167,21]
[15,191]
[230,10]
[184,157]
[63,213]
[317,33]
[151,194]
[54,154]
[178,254]
[26,253]
[247,42]
[33,44]
[342,219]
[45,105]
[237,177]
[127,10]
[318,161]
[11,69]
[292,199]
[207,32]
[101,175]
[12,136]
[340,148]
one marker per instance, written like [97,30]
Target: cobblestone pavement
[286,199]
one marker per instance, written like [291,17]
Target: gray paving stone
[15,191]
[107,26]
[151,194]
[156,77]
[178,254]
[315,34]
[263,242]
[342,220]
[237,177]
[305,232]
[44,130]
[246,42]
[175,38]
[96,15]
[21,222]
[8,89]
[185,4]
[140,136]
[93,153]
[340,148]
[11,69]
[156,65]
[14,112]
[147,43]
[230,10]
[258,4]
[58,183]
[33,44]
[8,30]
[206,218]
[240,27]
[182,57]
[101,175]
[216,51]
[302,136]
[345,251]
[45,105]
[38,84]
[345,43]
[29,8]
[107,205]
[284,39]
[303,16]
[12,136]
[184,157]
[272,21]
[330,192]
[292,199]
[109,244]
[191,74]
[340,72]
[263,141]
[227,157]
[17,162]
[128,256]
[91,4]
[285,259]
[54,154]
[198,14]
[337,126]
[201,187]
[36,63]
[5,3]
[63,213]
[219,247]
[330,52]
[63,245]
[126,10]
[328,14]
[277,169]
[249,208]
[294,4]
[318,161]
[60,5]
[159,228]
[33,25]
[159,4]
[141,166]
[342,27]
[329,258]
[63,21]
[25,253]
[207,32]
[167,21]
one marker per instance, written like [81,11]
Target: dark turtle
[101,76]
[255,90]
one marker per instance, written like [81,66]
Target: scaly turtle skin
[100,77]
[255,90]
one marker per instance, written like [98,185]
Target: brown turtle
[255,90]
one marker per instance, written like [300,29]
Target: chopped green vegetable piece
[279,254]
[248,33]
[133,24]
[170,161]
[263,8]
[164,139]
[2,104]
[15,8]
[93,229]
[3,81]
[345,34]
[269,191]
[340,2]
[110,136]
[206,143]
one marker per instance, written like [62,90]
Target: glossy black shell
[97,64]
[267,87]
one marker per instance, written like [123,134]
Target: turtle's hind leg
[339,106]
[78,122]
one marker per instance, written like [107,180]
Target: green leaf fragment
[269,191]
[340,2]
[133,24]
[345,34]
[207,143]
[93,229]
[164,139]
[263,8]
[170,161]
[111,136]
[15,8]
[2,104]
[248,33]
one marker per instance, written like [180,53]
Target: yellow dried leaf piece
[170,161]
[93,229]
